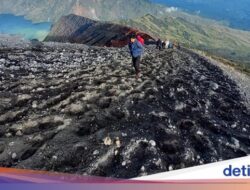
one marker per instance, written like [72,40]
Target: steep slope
[198,33]
[52,10]
[77,29]
[79,109]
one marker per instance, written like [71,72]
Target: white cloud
[171,9]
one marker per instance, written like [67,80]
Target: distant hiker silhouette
[136,51]
[170,45]
[177,45]
[159,44]
[167,42]
[163,45]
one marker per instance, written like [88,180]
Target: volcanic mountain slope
[79,109]
[52,10]
[77,29]
[197,33]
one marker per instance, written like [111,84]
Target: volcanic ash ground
[79,109]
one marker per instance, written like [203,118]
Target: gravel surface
[242,80]
[79,109]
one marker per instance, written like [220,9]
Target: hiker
[177,45]
[163,45]
[159,44]
[136,51]
[140,39]
[170,45]
[167,42]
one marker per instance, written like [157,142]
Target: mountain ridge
[78,29]
[43,10]
[199,34]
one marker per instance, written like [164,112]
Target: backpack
[141,40]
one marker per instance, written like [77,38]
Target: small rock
[143,169]
[199,133]
[2,60]
[214,85]
[34,104]
[96,152]
[124,163]
[124,135]
[158,162]
[54,157]
[180,106]
[116,152]
[38,138]
[170,168]
[234,125]
[107,141]
[24,97]
[160,114]
[76,108]
[39,89]
[153,143]
[13,156]
[11,144]
[236,143]
[19,133]
[8,135]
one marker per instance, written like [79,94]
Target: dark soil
[80,110]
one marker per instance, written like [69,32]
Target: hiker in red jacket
[140,39]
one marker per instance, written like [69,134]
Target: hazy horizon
[235,13]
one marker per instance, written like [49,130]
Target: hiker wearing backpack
[140,39]
[136,51]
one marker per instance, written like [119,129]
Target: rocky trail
[79,109]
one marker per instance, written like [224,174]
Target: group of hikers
[167,44]
[136,47]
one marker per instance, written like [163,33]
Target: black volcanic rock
[79,109]
[77,29]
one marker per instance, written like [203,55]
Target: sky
[234,12]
